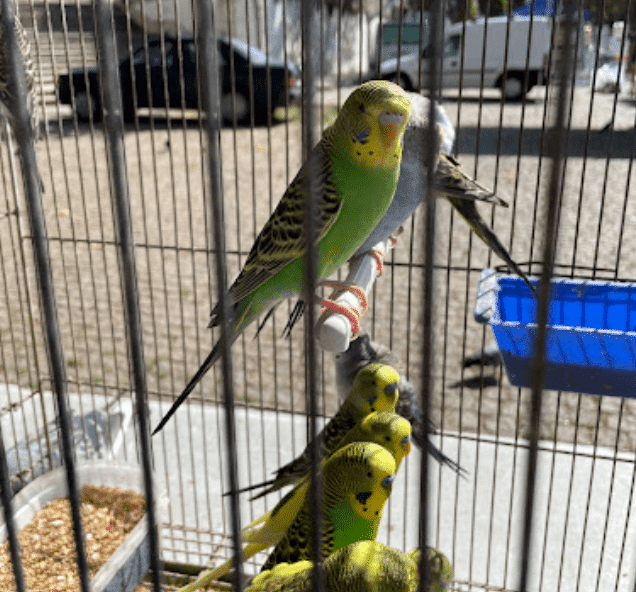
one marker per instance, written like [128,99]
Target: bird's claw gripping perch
[352,313]
[380,254]
[336,325]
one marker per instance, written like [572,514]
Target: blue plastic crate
[591,334]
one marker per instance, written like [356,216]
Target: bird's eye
[369,475]
[361,107]
[387,438]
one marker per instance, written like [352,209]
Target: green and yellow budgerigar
[385,429]
[357,481]
[362,352]
[374,388]
[365,566]
[355,168]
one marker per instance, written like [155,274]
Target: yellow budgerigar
[374,389]
[365,566]
[384,428]
[440,566]
[357,481]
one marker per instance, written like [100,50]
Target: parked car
[414,35]
[388,38]
[496,68]
[163,78]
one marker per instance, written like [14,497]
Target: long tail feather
[271,489]
[268,314]
[295,315]
[468,211]
[451,181]
[253,487]
[207,364]
[442,459]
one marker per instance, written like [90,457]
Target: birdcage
[168,132]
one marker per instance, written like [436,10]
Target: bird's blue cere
[390,388]
[388,481]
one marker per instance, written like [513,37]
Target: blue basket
[591,334]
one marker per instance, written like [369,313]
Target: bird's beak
[406,444]
[390,124]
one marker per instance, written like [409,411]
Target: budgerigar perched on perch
[450,182]
[357,480]
[362,352]
[374,388]
[355,165]
[386,429]
[365,566]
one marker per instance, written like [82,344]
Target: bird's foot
[352,313]
[379,255]
[379,259]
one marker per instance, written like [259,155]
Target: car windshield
[451,48]
[256,56]
[155,55]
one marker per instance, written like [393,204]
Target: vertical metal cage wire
[154,194]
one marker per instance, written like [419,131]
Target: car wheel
[86,105]
[240,107]
[401,80]
[514,90]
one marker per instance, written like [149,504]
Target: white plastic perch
[333,329]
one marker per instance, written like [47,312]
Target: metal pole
[209,86]
[556,150]
[431,151]
[113,124]
[311,275]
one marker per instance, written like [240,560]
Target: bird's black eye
[369,475]
[361,107]
[387,438]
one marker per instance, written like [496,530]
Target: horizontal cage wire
[167,131]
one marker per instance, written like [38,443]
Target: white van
[493,33]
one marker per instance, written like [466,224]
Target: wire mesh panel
[138,181]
